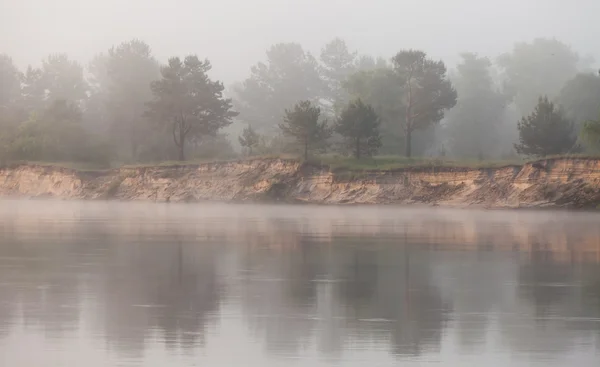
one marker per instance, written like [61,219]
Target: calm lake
[133,284]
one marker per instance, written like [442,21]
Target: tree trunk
[306,150]
[357,153]
[182,143]
[408,143]
[181,152]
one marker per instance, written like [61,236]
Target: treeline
[539,98]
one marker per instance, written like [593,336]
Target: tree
[302,124]
[538,68]
[33,92]
[188,103]
[56,134]
[10,81]
[337,64]
[289,75]
[580,97]
[426,93]
[359,125]
[62,79]
[249,138]
[475,125]
[546,131]
[122,87]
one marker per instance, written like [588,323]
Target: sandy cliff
[561,182]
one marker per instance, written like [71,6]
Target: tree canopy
[10,81]
[580,97]
[540,67]
[545,131]
[289,75]
[303,125]
[475,125]
[359,125]
[426,93]
[187,103]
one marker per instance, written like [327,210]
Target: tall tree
[580,97]
[359,125]
[337,63]
[188,103]
[538,68]
[546,131]
[302,123]
[10,81]
[380,87]
[63,79]
[130,68]
[290,74]
[475,123]
[427,92]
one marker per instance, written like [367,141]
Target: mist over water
[113,284]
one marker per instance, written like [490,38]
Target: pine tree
[546,131]
[302,124]
[359,125]
[188,102]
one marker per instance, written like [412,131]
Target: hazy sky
[234,34]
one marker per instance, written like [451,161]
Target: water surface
[131,284]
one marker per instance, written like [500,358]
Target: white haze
[234,34]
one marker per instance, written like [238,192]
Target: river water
[132,284]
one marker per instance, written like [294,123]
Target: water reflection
[105,284]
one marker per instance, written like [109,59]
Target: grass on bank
[334,162]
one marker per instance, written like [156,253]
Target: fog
[234,34]
[113,82]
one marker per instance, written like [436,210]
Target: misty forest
[125,106]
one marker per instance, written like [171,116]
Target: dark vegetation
[341,108]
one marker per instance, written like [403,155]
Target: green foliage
[249,139]
[580,97]
[57,135]
[123,89]
[590,135]
[302,124]
[475,125]
[426,92]
[33,91]
[538,68]
[10,81]
[187,103]
[62,79]
[546,131]
[289,75]
[359,125]
[337,64]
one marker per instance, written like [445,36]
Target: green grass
[334,162]
[193,162]
[387,163]
[77,166]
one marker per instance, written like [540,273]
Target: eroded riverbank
[559,182]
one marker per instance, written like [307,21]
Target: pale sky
[234,34]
